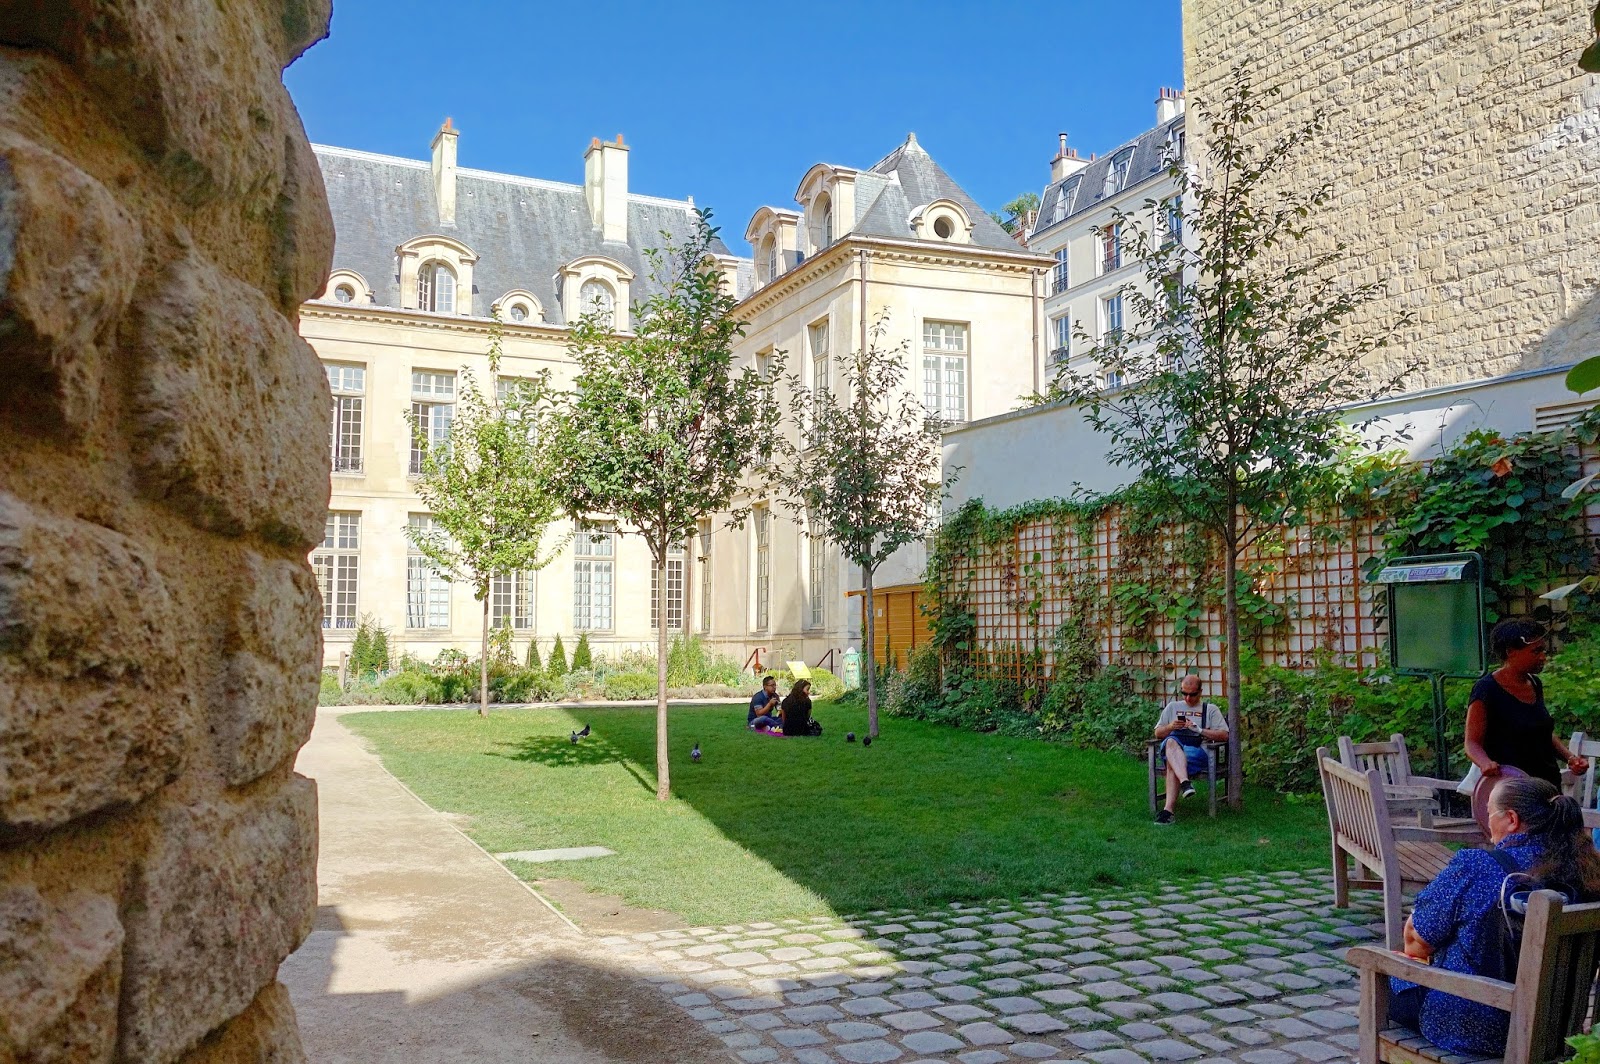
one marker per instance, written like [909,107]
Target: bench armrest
[1491,992]
[1432,783]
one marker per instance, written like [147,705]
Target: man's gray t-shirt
[1207,715]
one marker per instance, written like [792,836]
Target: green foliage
[411,689]
[500,653]
[1015,215]
[1586,1047]
[581,658]
[533,661]
[825,686]
[331,692]
[558,658]
[369,652]
[1572,681]
[1103,712]
[629,686]
[690,664]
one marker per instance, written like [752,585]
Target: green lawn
[767,827]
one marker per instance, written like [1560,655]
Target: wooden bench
[1392,857]
[1392,760]
[1549,1000]
[1216,776]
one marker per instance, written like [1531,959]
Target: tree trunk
[663,779]
[871,655]
[1230,614]
[483,665]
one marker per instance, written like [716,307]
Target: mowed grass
[765,827]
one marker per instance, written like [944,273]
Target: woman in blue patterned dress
[1453,925]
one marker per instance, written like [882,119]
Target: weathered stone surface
[270,688]
[227,892]
[94,701]
[265,1033]
[60,964]
[69,255]
[231,409]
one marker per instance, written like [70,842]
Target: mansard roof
[522,229]
[1084,190]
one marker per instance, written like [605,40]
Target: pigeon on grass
[694,755]
[849,736]
[866,740]
[575,736]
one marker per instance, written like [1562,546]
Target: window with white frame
[817,548]
[511,600]
[433,407]
[337,564]
[1113,379]
[944,370]
[1172,231]
[818,335]
[676,557]
[763,527]
[1063,334]
[825,223]
[1111,315]
[1117,173]
[596,297]
[703,538]
[349,386]
[1111,248]
[436,287]
[427,590]
[593,578]
[769,255]
[1061,279]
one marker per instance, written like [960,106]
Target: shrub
[500,647]
[369,652]
[533,661]
[456,687]
[331,694]
[626,686]
[362,692]
[410,689]
[1572,681]
[525,685]
[1101,712]
[558,658]
[581,658]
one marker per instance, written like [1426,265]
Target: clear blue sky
[732,102]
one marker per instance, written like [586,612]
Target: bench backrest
[1391,759]
[1555,978]
[1583,789]
[1359,825]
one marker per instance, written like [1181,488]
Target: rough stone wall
[163,473]
[1463,149]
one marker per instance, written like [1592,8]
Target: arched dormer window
[592,283]
[436,287]
[769,258]
[597,296]
[1117,172]
[822,210]
[520,307]
[942,220]
[347,287]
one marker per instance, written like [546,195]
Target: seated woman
[797,709]
[1454,923]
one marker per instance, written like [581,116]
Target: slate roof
[523,230]
[1066,199]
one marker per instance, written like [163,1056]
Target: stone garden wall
[163,472]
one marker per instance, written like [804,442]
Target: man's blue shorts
[1194,755]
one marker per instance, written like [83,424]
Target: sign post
[1436,626]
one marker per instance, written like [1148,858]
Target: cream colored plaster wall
[1462,149]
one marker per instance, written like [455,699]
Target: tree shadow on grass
[555,751]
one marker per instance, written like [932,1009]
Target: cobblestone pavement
[1245,969]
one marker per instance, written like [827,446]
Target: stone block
[69,259]
[60,970]
[265,1033]
[230,409]
[270,686]
[226,892]
[94,699]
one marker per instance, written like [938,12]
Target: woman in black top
[1507,722]
[797,709]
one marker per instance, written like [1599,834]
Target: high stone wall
[163,473]
[1463,146]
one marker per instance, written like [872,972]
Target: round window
[519,312]
[942,228]
[344,293]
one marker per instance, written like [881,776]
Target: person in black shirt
[797,709]
[1507,722]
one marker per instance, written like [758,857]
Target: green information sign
[1436,625]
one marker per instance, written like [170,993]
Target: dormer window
[942,220]
[518,312]
[769,254]
[436,288]
[347,287]
[596,297]
[822,216]
[1117,173]
[344,293]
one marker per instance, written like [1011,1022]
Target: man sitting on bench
[1184,724]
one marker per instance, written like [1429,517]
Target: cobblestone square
[1247,969]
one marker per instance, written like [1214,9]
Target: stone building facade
[161,481]
[1462,148]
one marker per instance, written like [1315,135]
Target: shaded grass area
[766,827]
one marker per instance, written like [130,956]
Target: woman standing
[1507,722]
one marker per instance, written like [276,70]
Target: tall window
[436,288]
[596,297]
[1111,248]
[676,556]
[818,335]
[433,404]
[825,224]
[349,385]
[817,549]
[1111,314]
[1117,173]
[703,538]
[1172,232]
[763,523]
[769,254]
[593,586]
[944,370]
[427,591]
[511,600]
[1063,346]
[1061,278]
[337,564]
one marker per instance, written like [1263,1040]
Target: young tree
[488,488]
[868,473]
[660,428]
[1242,348]
[1016,213]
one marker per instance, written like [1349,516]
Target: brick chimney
[1169,105]
[605,186]
[444,172]
[1066,161]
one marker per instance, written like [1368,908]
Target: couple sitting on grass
[791,716]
